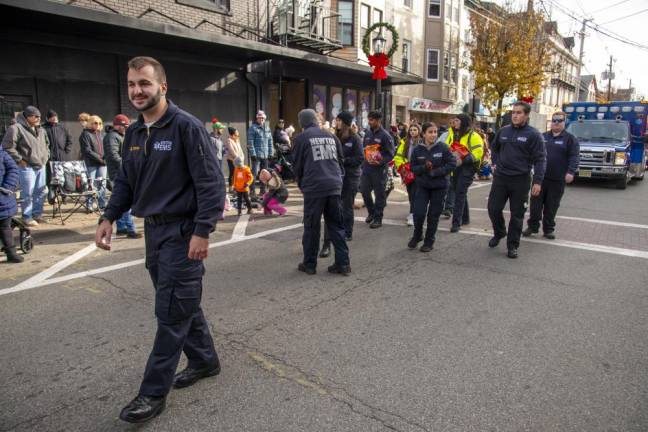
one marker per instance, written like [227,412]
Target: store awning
[78,24]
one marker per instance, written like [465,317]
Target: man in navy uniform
[379,151]
[319,169]
[563,154]
[517,150]
[170,176]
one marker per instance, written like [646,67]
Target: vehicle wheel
[26,242]
[622,183]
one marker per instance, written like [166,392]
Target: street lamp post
[379,43]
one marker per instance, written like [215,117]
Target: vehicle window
[626,109]
[569,109]
[603,109]
[591,109]
[639,108]
[614,109]
[599,131]
[580,109]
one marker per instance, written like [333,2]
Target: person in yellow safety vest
[402,157]
[448,204]
[468,148]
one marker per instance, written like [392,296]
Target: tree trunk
[498,119]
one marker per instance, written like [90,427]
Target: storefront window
[351,102]
[336,101]
[365,107]
[319,100]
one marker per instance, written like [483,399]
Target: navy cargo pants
[330,207]
[178,289]
[374,180]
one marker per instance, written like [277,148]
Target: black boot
[143,408]
[12,255]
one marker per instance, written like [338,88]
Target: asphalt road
[461,339]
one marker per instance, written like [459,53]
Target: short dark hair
[138,63]
[376,115]
[525,106]
[427,125]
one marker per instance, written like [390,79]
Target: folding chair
[70,181]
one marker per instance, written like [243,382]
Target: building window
[446,66]
[433,65]
[455,13]
[364,16]
[434,8]
[407,3]
[447,7]
[377,16]
[345,22]
[406,55]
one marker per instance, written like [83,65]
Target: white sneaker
[410,220]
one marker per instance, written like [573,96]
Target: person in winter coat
[8,185]
[242,178]
[468,148]
[281,138]
[403,166]
[276,194]
[60,140]
[260,148]
[353,158]
[91,142]
[112,145]
[28,145]
[233,152]
[319,169]
[431,163]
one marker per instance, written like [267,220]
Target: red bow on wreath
[527,99]
[379,62]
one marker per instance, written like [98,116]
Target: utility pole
[609,79]
[580,59]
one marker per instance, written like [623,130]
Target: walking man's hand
[198,248]
[103,236]
[569,178]
[535,190]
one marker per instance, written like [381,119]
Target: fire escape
[307,25]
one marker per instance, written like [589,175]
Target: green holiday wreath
[372,28]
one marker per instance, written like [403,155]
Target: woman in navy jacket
[431,163]
[8,185]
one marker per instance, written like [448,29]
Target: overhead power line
[627,16]
[609,7]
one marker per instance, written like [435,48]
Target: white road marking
[562,243]
[241,226]
[120,266]
[596,221]
[40,277]
[479,185]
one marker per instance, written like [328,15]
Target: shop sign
[427,105]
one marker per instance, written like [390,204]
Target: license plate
[584,173]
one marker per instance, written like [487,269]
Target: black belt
[165,219]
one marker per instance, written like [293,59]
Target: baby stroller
[282,164]
[26,240]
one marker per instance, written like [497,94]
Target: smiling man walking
[180,211]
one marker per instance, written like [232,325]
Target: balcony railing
[306,24]
[565,79]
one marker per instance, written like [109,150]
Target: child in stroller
[8,208]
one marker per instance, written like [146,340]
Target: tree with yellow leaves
[510,56]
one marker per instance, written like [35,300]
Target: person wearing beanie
[353,158]
[27,144]
[60,140]
[379,151]
[319,168]
[468,149]
[243,178]
[217,138]
[260,147]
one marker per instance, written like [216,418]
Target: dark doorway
[10,105]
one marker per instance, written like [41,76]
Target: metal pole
[378,95]
[609,80]
[580,60]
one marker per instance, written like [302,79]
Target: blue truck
[611,137]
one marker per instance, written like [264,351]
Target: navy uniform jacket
[443,163]
[387,149]
[563,154]
[318,162]
[169,169]
[516,150]
[353,156]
